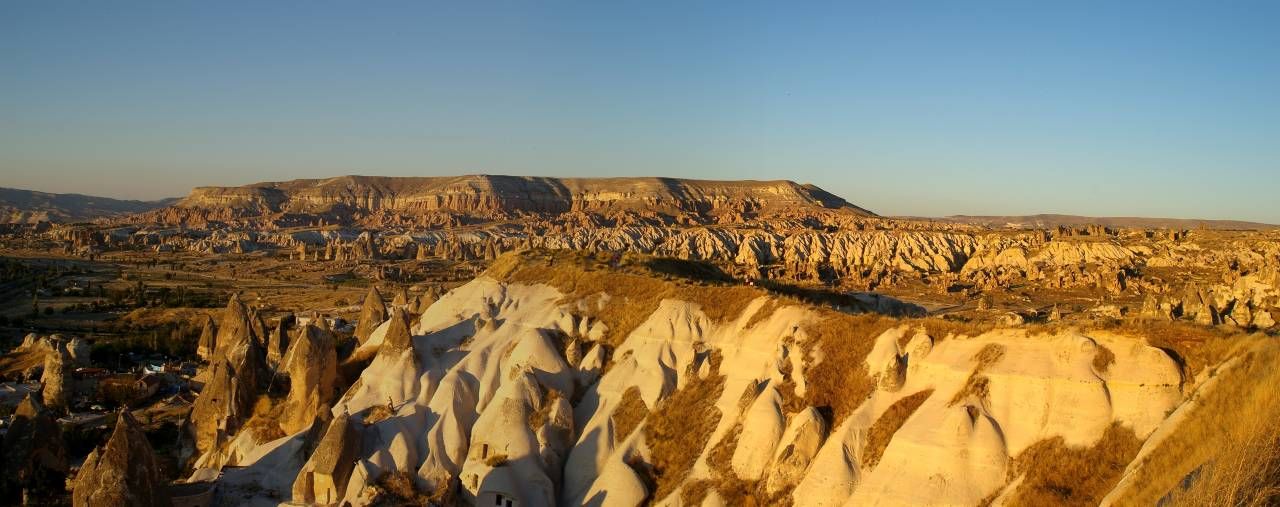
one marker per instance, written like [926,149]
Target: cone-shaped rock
[34,456]
[313,368]
[402,298]
[422,302]
[324,477]
[372,315]
[278,344]
[259,329]
[55,380]
[124,472]
[80,350]
[398,338]
[208,339]
[227,399]
[235,328]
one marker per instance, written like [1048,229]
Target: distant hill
[30,206]
[1050,220]
[490,193]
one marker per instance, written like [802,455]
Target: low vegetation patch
[1103,360]
[496,460]
[1056,474]
[635,287]
[882,431]
[977,385]
[679,428]
[764,312]
[1227,451]
[1195,345]
[379,413]
[695,492]
[840,379]
[264,424]
[721,455]
[399,488]
[538,418]
[630,412]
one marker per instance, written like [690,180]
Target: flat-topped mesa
[506,194]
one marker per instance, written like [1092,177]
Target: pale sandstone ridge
[475,397]
[123,472]
[486,193]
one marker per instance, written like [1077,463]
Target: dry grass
[1247,474]
[379,413]
[265,421]
[882,431]
[1232,438]
[1194,345]
[977,385]
[940,328]
[720,456]
[695,492]
[678,430]
[732,489]
[399,488]
[630,412]
[1056,474]
[840,380]
[788,389]
[496,460]
[635,287]
[1104,359]
[13,364]
[538,418]
[764,312]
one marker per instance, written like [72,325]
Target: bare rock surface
[125,471]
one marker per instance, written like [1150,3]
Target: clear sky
[1160,108]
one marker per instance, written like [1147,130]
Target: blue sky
[924,108]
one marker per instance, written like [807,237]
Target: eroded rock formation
[125,471]
[312,368]
[373,313]
[35,458]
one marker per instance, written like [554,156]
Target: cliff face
[490,194]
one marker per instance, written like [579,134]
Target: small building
[129,388]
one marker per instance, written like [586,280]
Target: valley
[626,341]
